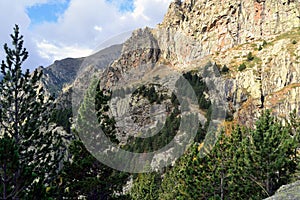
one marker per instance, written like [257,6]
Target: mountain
[195,32]
[64,72]
[260,36]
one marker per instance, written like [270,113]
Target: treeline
[247,164]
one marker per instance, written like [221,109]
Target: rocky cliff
[220,25]
[257,40]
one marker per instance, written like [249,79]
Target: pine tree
[294,126]
[191,178]
[31,148]
[146,186]
[84,175]
[272,155]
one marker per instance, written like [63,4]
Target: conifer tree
[84,175]
[31,149]
[294,125]
[146,186]
[272,155]
[247,164]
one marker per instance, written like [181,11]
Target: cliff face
[225,32]
[220,25]
[263,35]
[60,73]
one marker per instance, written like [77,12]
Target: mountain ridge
[64,72]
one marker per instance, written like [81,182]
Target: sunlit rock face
[290,191]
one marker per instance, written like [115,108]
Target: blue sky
[124,5]
[51,11]
[56,29]
[48,12]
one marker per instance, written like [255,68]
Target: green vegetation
[84,175]
[62,118]
[169,130]
[248,164]
[146,186]
[250,57]
[107,123]
[242,67]
[224,69]
[150,93]
[264,43]
[31,148]
[161,139]
[199,87]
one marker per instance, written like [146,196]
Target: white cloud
[98,28]
[82,27]
[59,51]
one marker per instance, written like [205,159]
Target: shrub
[250,57]
[264,43]
[242,67]
[294,42]
[224,69]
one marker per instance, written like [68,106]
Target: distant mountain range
[64,72]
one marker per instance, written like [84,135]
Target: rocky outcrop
[270,81]
[140,50]
[195,32]
[287,192]
[60,73]
[257,40]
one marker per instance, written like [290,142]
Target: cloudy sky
[56,29]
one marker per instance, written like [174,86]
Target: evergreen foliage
[225,69]
[31,148]
[83,175]
[271,151]
[250,57]
[161,139]
[146,186]
[199,87]
[248,164]
[62,118]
